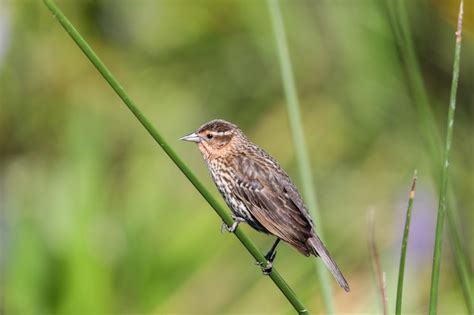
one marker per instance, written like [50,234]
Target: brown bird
[259,192]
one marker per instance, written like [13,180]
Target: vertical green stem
[401,272]
[462,268]
[108,76]
[444,174]
[298,137]
[376,265]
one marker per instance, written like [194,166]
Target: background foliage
[95,219]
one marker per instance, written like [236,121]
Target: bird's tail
[320,250]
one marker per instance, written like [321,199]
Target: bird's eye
[209,136]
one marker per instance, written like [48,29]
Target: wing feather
[270,198]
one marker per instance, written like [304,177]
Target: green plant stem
[104,71]
[399,23]
[401,272]
[461,267]
[376,265]
[444,174]
[416,82]
[297,133]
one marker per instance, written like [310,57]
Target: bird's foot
[266,268]
[233,227]
[270,257]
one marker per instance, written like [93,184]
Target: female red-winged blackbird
[259,192]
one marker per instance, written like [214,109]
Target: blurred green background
[95,219]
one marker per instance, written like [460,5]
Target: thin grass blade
[297,133]
[445,174]
[401,272]
[376,265]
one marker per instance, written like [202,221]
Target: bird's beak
[193,137]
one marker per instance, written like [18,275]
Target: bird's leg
[231,229]
[270,256]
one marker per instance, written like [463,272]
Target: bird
[259,192]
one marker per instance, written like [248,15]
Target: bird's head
[216,138]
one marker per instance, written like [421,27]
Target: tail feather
[320,250]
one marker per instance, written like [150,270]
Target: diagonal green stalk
[401,272]
[104,71]
[297,133]
[400,26]
[444,174]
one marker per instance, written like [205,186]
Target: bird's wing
[272,200]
